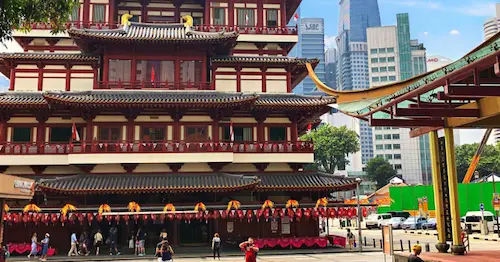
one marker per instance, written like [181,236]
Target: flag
[152,74]
[296,17]
[309,127]
[74,133]
[231,131]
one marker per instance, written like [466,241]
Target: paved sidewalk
[489,237]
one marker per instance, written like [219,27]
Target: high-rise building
[312,45]
[492,25]
[355,16]
[331,67]
[394,57]
[437,61]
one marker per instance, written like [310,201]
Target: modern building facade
[331,67]
[355,16]
[312,45]
[394,57]
[492,25]
[145,116]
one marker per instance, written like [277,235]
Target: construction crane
[476,157]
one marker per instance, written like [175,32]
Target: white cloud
[477,9]
[330,41]
[454,32]
[426,33]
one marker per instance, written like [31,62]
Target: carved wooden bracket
[86,168]
[38,169]
[261,166]
[296,166]
[175,166]
[217,166]
[129,167]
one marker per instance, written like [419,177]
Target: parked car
[414,222]
[399,214]
[472,221]
[376,220]
[395,222]
[430,224]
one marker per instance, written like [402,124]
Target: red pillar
[260,128]
[12,77]
[40,77]
[206,14]
[112,18]
[86,13]
[294,135]
[283,13]
[230,11]
[40,132]
[130,129]
[288,81]
[68,77]
[260,13]
[96,76]
[238,79]
[105,69]
[3,130]
[264,79]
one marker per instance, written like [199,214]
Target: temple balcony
[110,152]
[156,85]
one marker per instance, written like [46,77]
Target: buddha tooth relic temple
[175,115]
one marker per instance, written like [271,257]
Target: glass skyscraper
[403,30]
[312,45]
[352,64]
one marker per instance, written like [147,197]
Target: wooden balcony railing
[153,147]
[154,85]
[278,30]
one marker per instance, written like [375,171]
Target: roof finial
[188,22]
[125,21]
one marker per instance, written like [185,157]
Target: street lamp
[360,243]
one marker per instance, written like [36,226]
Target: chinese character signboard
[445,191]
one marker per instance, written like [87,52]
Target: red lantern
[232,214]
[4,217]
[364,211]
[126,218]
[72,218]
[90,218]
[136,218]
[99,218]
[315,214]
[81,218]
[298,214]
[188,217]
[307,213]
[322,212]
[63,219]
[249,215]
[332,213]
[267,214]
[117,219]
[281,212]
[240,214]
[340,212]
[26,218]
[54,218]
[162,217]
[207,216]
[178,216]
[170,216]
[199,215]
[36,218]
[259,214]
[224,214]
[153,217]
[45,219]
[145,217]
[290,213]
[216,214]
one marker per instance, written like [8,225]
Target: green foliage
[332,145]
[488,163]
[21,14]
[379,170]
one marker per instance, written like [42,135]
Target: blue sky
[449,28]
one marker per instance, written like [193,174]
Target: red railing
[154,85]
[77,24]
[278,30]
[154,147]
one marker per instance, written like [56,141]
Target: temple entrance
[194,233]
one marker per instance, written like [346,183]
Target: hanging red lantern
[126,218]
[340,212]
[145,218]
[53,218]
[331,212]
[322,212]
[315,214]
[63,219]
[36,218]
[240,214]
[199,215]
[162,217]
[72,218]
[153,217]
[232,214]
[90,218]
[45,219]
[99,218]
[26,218]
[281,213]
[170,216]
[4,217]
[216,215]
[136,218]
[298,214]
[15,218]
[290,213]
[364,211]
[206,216]
[188,217]
[267,214]
[258,214]
[249,215]
[224,214]
[307,213]
[81,218]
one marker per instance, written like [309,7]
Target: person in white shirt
[216,243]
[74,245]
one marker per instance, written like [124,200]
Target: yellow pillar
[458,246]
[442,246]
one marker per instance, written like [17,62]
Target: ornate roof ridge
[52,56]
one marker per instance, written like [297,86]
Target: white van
[377,220]
[473,220]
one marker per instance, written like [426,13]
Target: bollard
[381,243]
[409,246]
[365,241]
[374,243]
[427,247]
[418,242]
[401,244]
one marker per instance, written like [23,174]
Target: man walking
[74,246]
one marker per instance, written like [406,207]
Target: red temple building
[160,111]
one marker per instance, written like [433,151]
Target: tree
[488,162]
[332,145]
[379,170]
[21,14]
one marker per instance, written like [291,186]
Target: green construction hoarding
[405,198]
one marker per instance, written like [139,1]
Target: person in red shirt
[250,250]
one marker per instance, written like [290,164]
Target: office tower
[355,17]
[492,25]
[312,45]
[394,57]
[331,67]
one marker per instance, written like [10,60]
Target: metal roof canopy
[463,94]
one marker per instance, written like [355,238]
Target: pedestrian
[417,249]
[84,244]
[34,246]
[216,243]
[164,251]
[141,239]
[45,247]
[350,238]
[163,235]
[97,241]
[113,241]
[250,250]
[74,245]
